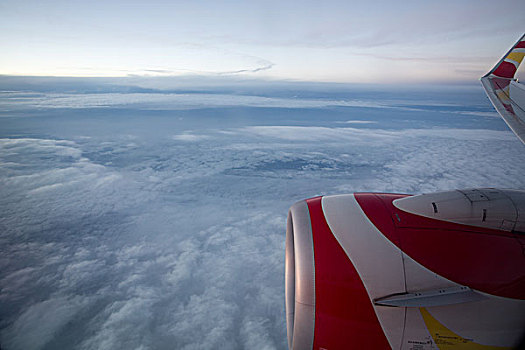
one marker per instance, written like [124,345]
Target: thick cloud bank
[129,227]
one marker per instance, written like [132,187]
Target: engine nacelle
[434,271]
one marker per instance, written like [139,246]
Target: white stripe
[377,261]
[516,64]
[519,49]
[363,243]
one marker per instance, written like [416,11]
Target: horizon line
[242,78]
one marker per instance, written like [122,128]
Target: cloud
[189,137]
[116,273]
[365,136]
[481,114]
[170,101]
[263,65]
[266,66]
[359,122]
[155,237]
[35,327]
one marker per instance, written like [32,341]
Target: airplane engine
[433,271]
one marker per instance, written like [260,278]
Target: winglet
[508,65]
[507,94]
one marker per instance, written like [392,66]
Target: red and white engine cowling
[434,271]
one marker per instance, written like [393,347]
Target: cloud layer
[130,229]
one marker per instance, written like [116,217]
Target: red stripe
[505,70]
[487,260]
[521,45]
[499,83]
[344,315]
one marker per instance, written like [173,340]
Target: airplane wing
[506,93]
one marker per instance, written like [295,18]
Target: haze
[337,41]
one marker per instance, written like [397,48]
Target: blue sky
[339,41]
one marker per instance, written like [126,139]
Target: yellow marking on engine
[445,339]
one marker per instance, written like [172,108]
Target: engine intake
[300,277]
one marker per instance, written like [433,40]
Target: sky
[329,41]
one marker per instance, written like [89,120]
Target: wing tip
[508,65]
